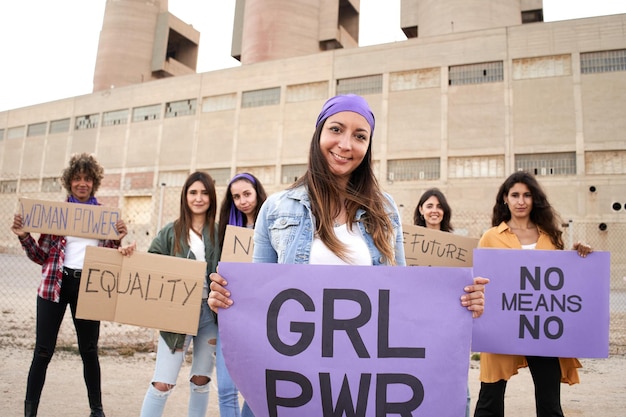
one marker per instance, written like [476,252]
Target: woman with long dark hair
[433,211]
[524,219]
[193,235]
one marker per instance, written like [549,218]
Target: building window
[258,98]
[372,84]
[486,72]
[51,185]
[1,134]
[8,187]
[180,108]
[476,167]
[411,80]
[172,178]
[219,103]
[60,126]
[603,61]
[145,113]
[36,129]
[15,132]
[563,163]
[605,162]
[306,92]
[290,173]
[29,185]
[413,169]
[89,121]
[115,117]
[221,176]
[540,67]
[532,16]
[266,174]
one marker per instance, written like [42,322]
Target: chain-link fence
[145,214]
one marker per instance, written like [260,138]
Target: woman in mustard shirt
[524,219]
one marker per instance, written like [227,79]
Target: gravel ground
[125,379]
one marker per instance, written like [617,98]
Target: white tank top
[75,251]
[358,252]
[196,245]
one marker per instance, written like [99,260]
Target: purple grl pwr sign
[317,340]
[543,303]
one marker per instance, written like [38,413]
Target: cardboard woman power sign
[69,219]
[322,340]
[543,303]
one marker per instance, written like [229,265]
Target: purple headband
[235,217]
[347,102]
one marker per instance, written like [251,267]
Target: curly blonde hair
[83,163]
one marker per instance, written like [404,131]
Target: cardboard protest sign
[427,247]
[145,289]
[322,340]
[543,303]
[69,219]
[238,244]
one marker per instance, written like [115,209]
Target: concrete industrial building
[478,90]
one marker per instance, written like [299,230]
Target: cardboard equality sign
[69,219]
[238,244]
[322,340]
[543,303]
[427,247]
[145,289]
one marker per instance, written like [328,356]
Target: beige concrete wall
[524,113]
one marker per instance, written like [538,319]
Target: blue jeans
[227,391]
[168,366]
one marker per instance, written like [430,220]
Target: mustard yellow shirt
[494,366]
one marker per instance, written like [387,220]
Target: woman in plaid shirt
[61,259]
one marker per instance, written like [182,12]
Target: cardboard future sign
[427,247]
[544,303]
[69,219]
[145,289]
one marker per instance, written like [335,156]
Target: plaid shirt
[49,252]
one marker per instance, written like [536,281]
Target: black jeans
[49,318]
[546,373]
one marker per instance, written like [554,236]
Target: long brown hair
[183,223]
[542,213]
[362,191]
[418,218]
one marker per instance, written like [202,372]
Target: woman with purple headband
[240,207]
[336,213]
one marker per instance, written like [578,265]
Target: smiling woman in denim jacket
[336,213]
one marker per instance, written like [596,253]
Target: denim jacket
[285,228]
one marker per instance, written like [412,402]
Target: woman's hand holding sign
[473,300]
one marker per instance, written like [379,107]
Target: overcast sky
[49,47]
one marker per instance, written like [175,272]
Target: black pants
[49,318]
[546,373]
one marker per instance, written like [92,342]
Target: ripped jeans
[168,366]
